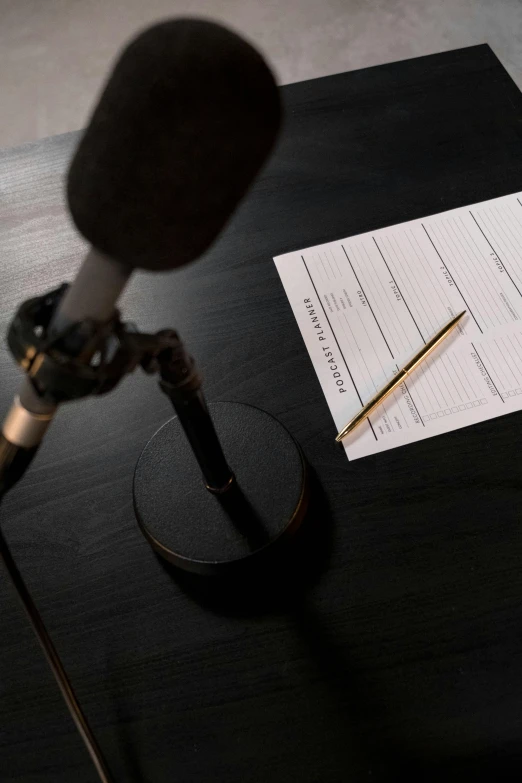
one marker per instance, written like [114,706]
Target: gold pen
[400,377]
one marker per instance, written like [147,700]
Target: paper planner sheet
[365,305]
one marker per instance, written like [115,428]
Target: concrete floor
[54,54]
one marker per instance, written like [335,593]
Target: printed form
[365,305]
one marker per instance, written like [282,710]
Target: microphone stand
[181,382]
[224,518]
[59,378]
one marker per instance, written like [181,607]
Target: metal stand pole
[181,383]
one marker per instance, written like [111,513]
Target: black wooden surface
[401,655]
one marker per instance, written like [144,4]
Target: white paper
[365,305]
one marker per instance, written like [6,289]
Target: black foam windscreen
[185,122]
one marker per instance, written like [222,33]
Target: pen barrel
[401,376]
[430,346]
[373,403]
[381,395]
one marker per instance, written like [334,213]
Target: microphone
[187,118]
[185,122]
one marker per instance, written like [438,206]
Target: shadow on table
[126,737]
[364,747]
[501,767]
[279,579]
[280,586]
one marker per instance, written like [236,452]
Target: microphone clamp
[88,358]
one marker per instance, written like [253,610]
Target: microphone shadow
[126,756]
[244,517]
[277,578]
[278,585]
[364,752]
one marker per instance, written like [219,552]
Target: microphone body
[186,120]
[94,292]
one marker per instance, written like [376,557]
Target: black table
[393,649]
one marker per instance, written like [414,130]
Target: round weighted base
[207,533]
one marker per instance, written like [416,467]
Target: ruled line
[428,271]
[369,305]
[453,278]
[418,290]
[371,391]
[508,364]
[396,261]
[399,290]
[472,269]
[495,252]
[489,374]
[392,317]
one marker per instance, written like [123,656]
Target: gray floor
[55,53]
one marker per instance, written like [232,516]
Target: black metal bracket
[89,358]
